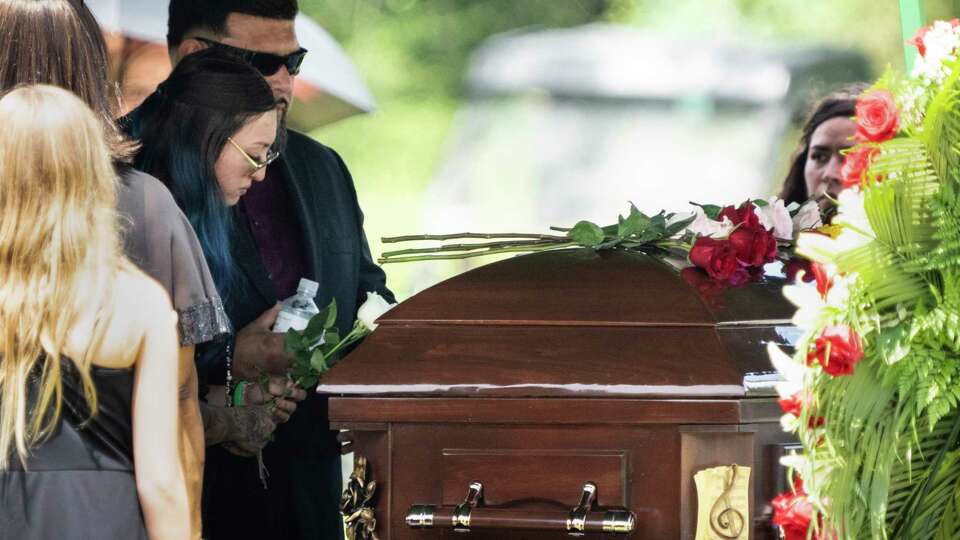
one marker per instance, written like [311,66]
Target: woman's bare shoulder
[137,307]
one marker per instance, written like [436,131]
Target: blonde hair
[59,253]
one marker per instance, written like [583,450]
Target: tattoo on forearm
[247,425]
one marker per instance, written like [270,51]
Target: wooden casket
[564,392]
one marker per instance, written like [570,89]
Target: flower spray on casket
[873,389]
[727,242]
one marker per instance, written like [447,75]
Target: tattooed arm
[248,428]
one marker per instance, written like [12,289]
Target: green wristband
[238,400]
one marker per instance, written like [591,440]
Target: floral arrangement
[728,243]
[873,388]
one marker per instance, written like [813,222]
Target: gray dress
[159,239]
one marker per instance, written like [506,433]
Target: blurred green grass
[392,155]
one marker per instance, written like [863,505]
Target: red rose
[745,216]
[793,513]
[856,163]
[754,247]
[824,283]
[717,257]
[917,40]
[838,350]
[793,267]
[794,405]
[791,405]
[877,117]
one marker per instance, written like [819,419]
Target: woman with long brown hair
[815,167]
[88,399]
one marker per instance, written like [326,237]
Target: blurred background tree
[414,53]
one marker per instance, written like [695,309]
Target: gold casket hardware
[472,514]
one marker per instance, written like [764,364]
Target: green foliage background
[413,55]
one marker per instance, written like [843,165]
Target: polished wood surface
[537,374]
[580,286]
[648,469]
[516,361]
[345,413]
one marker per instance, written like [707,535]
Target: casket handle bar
[472,514]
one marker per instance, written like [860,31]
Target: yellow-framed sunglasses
[257,164]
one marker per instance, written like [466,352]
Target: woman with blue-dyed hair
[208,134]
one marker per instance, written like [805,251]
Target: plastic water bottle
[296,311]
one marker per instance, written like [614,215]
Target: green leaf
[331,311]
[678,226]
[587,234]
[635,223]
[298,373]
[759,203]
[331,338]
[308,382]
[318,362]
[658,224]
[314,328]
[292,341]
[302,359]
[711,210]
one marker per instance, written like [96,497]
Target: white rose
[808,217]
[704,226]
[371,310]
[775,217]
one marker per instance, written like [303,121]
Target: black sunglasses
[266,63]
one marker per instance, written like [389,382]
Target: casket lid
[574,323]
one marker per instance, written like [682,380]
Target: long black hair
[841,103]
[183,128]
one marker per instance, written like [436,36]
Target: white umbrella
[328,88]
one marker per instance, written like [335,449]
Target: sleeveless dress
[79,483]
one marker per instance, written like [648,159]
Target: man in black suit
[303,220]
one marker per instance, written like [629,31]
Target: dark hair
[183,128]
[211,15]
[841,103]
[58,42]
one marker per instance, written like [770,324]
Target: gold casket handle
[471,514]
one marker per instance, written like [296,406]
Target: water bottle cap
[308,287]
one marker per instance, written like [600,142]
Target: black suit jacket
[335,247]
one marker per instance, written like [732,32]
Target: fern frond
[899,207]
[941,127]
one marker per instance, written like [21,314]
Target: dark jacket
[336,250]
[304,459]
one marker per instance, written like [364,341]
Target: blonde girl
[88,399]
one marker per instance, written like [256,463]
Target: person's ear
[187,46]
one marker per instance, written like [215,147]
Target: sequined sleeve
[159,239]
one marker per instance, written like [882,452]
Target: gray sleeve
[159,239]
